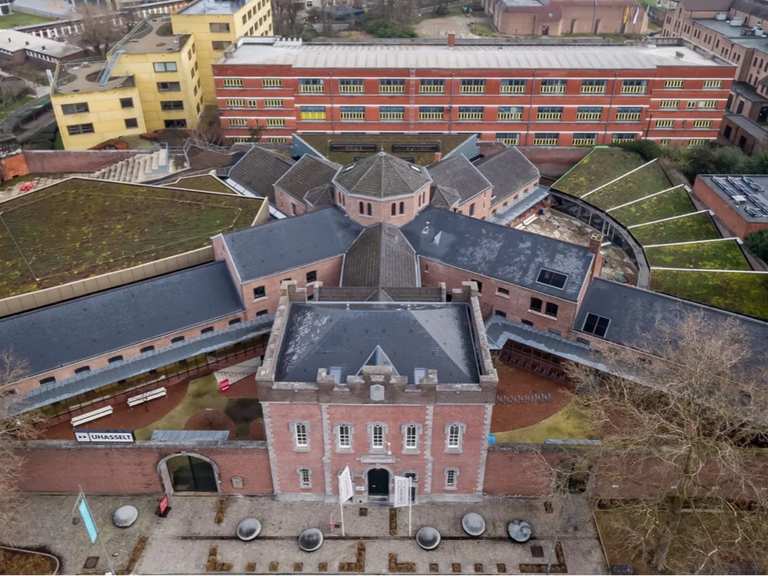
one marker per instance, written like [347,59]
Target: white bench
[147,396]
[92,415]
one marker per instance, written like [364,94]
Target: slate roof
[457,179]
[259,169]
[508,171]
[381,256]
[343,335]
[285,244]
[306,176]
[96,324]
[369,294]
[638,316]
[382,175]
[499,252]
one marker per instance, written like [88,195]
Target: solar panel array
[744,192]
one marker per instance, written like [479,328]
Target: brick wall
[722,209]
[554,162]
[517,471]
[13,166]
[64,161]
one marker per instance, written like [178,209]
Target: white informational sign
[402,491]
[103,436]
[346,490]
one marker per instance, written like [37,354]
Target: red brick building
[528,95]
[740,202]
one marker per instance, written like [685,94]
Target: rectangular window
[82,370]
[351,86]
[669,104]
[305,478]
[169,87]
[589,113]
[177,339]
[451,478]
[171,105]
[620,137]
[470,112]
[390,113]
[147,349]
[551,309]
[546,138]
[131,123]
[512,86]
[549,113]
[218,27]
[500,313]
[508,138]
[702,123]
[126,102]
[259,292]
[275,122]
[312,113]
[352,113]
[697,141]
[344,436]
[262,312]
[76,108]
[431,113]
[233,82]
[114,359]
[165,66]
[236,103]
[703,104]
[377,436]
[48,380]
[537,304]
[628,113]
[301,437]
[411,437]
[221,44]
[391,86]
[432,86]
[712,84]
[75,129]
[510,113]
[207,330]
[593,86]
[238,122]
[634,86]
[271,83]
[501,291]
[665,123]
[273,103]
[550,86]
[597,325]
[473,86]
[674,84]
[311,86]
[584,138]
[454,436]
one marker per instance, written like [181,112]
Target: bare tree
[678,457]
[102,28]
[12,431]
[208,128]
[285,15]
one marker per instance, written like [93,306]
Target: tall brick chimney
[451,39]
[595,241]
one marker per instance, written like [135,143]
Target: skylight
[552,278]
[597,325]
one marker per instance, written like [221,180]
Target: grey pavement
[180,543]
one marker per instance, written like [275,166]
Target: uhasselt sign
[103,436]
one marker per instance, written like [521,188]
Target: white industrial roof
[13,40]
[464,57]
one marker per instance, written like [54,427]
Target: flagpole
[341,509]
[410,503]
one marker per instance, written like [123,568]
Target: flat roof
[464,56]
[214,7]
[747,194]
[83,77]
[405,336]
[14,40]
[152,35]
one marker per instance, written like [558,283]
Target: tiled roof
[382,175]
[381,256]
[292,242]
[306,176]
[457,175]
[499,252]
[259,169]
[96,324]
[345,336]
[509,171]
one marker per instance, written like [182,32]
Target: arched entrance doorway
[378,484]
[188,473]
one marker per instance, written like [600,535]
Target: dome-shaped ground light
[310,539]
[473,524]
[520,531]
[125,516]
[248,529]
[428,538]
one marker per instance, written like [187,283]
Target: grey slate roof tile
[382,175]
[92,325]
[508,171]
[306,175]
[259,169]
[285,244]
[499,252]
[381,256]
[458,176]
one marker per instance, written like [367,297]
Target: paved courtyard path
[182,542]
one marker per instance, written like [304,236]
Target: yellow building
[215,25]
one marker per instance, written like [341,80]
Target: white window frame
[371,429]
[457,446]
[296,432]
[407,447]
[304,484]
[446,477]
[339,446]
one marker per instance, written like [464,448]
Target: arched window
[362,208]
[370,210]
[394,208]
[402,207]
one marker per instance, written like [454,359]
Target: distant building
[18,47]
[558,17]
[518,94]
[740,202]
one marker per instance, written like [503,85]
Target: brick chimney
[595,241]
[451,39]
[438,156]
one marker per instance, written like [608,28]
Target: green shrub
[757,243]
[386,29]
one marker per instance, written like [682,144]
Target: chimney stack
[451,39]
[595,241]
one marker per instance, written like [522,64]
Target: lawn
[675,202]
[205,183]
[648,180]
[745,293]
[81,228]
[725,255]
[600,166]
[21,19]
[697,226]
[569,423]
[18,103]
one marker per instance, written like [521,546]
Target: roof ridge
[364,174]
